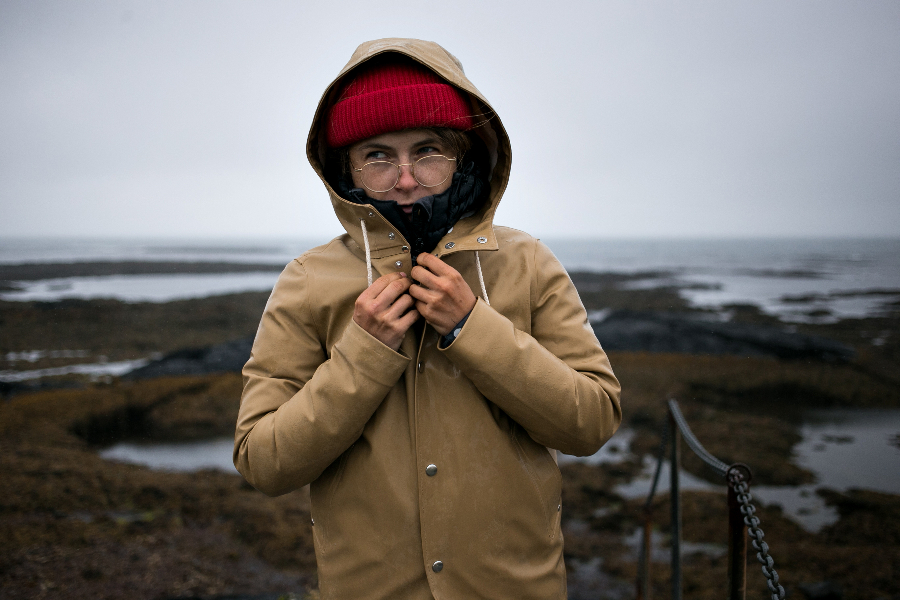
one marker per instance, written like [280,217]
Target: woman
[421,371]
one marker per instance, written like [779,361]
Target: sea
[795,279]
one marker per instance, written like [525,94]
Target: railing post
[737,547]
[675,500]
[643,588]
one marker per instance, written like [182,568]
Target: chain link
[742,490]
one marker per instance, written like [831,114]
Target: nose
[407,181]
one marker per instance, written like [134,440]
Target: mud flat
[78,526]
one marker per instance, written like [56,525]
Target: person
[421,371]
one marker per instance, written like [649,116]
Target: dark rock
[693,334]
[220,358]
[822,590]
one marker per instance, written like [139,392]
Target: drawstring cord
[481,279]
[365,233]
[362,222]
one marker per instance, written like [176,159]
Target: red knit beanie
[394,94]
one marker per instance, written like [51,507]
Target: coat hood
[365,225]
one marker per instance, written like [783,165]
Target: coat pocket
[334,474]
[544,476]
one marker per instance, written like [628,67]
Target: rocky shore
[78,526]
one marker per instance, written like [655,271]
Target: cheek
[357,180]
[441,188]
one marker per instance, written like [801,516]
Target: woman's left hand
[442,295]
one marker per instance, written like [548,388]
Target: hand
[442,295]
[385,310]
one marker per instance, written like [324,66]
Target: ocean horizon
[794,278]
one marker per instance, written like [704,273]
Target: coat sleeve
[300,408]
[556,382]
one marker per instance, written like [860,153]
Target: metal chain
[742,489]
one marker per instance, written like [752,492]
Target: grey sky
[626,118]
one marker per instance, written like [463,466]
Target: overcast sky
[627,118]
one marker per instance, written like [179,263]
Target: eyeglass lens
[429,171]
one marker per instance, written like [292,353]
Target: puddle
[639,487]
[94,370]
[661,547]
[176,456]
[615,450]
[845,449]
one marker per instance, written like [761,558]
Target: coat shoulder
[513,236]
[336,249]
[515,241]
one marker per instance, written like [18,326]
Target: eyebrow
[377,146]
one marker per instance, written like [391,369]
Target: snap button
[313,521]
[437,566]
[405,248]
[482,240]
[398,264]
[371,214]
[450,230]
[558,507]
[431,470]
[420,367]
[391,235]
[449,245]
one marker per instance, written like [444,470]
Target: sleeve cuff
[448,339]
[370,356]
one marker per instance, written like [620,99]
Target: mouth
[406,208]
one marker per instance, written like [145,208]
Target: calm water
[791,278]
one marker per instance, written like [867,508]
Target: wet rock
[219,358]
[693,334]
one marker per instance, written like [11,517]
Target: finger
[407,320]
[400,306]
[424,277]
[435,265]
[381,283]
[423,294]
[393,291]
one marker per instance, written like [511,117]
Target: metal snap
[371,214]
[391,235]
[313,521]
[405,248]
[449,245]
[437,566]
[399,264]
[420,367]
[431,470]
[482,240]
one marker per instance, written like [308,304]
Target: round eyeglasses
[429,171]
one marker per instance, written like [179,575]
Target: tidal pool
[176,456]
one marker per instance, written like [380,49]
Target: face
[402,148]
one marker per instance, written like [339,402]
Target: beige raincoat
[431,471]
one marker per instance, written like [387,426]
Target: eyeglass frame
[412,171]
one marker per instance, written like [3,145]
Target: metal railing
[741,516]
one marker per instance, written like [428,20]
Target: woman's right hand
[385,309]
